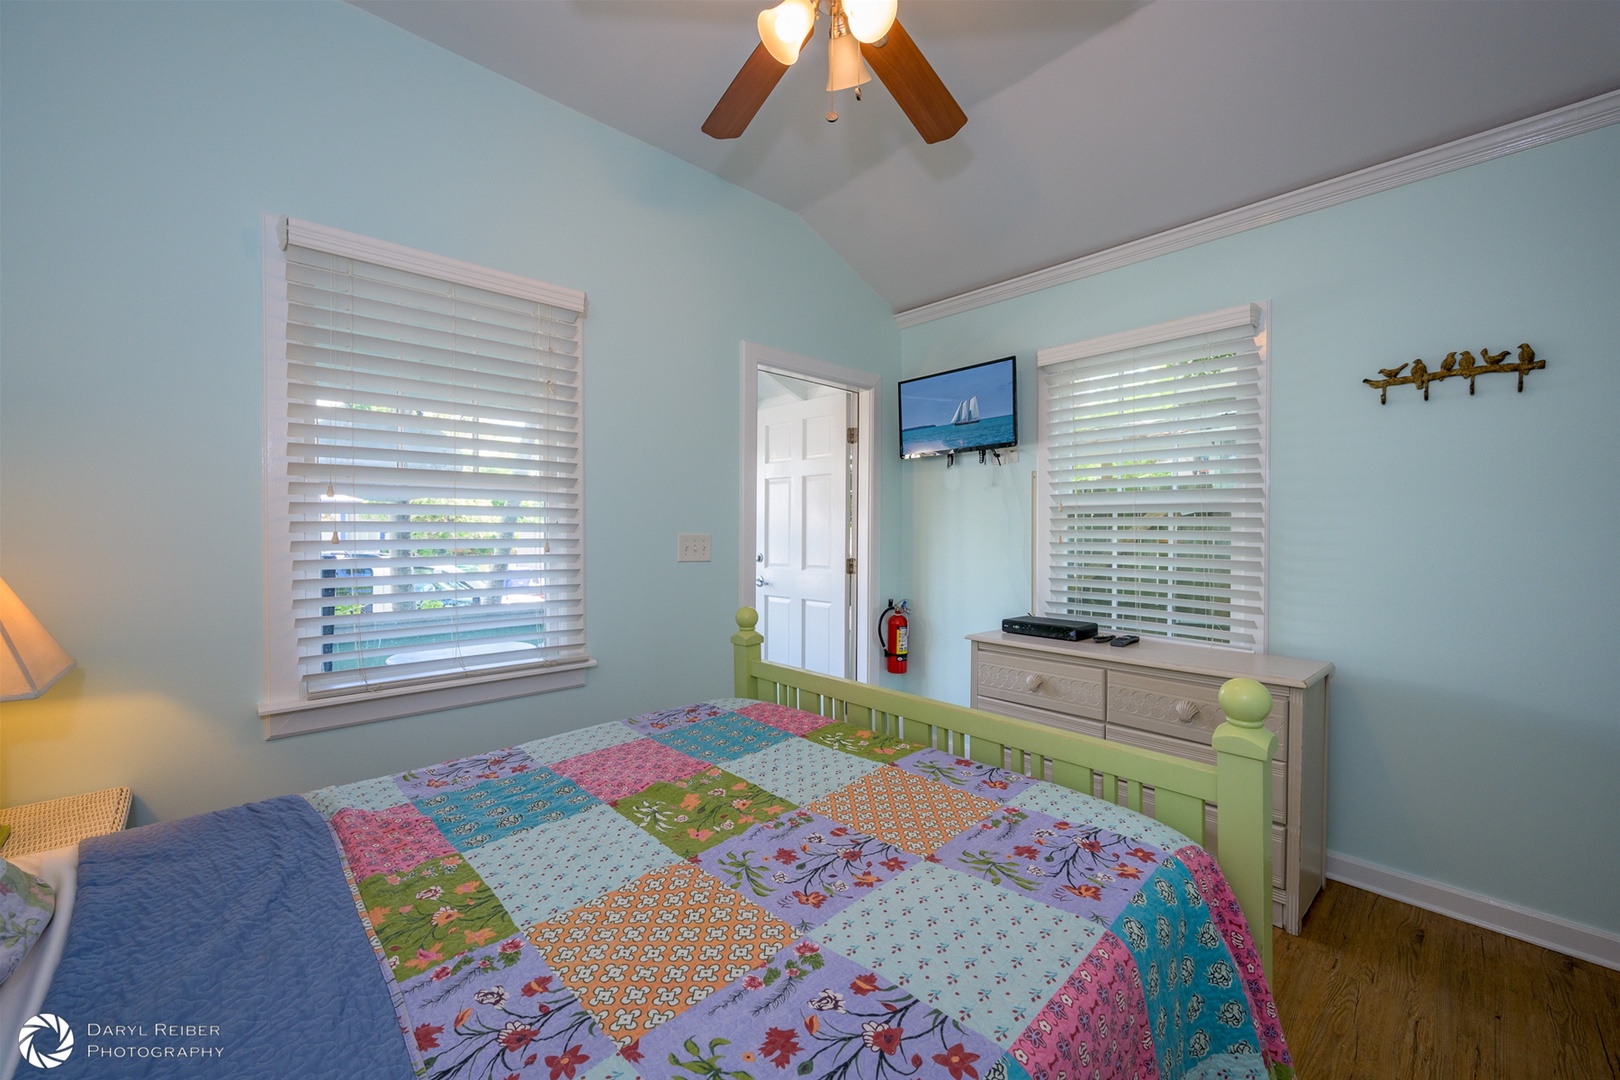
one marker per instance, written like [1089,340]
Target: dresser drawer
[1079,724]
[1039,681]
[1184,709]
[1206,754]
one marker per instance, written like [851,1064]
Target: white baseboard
[1549,931]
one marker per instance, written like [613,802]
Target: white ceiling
[1090,122]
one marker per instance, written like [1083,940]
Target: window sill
[326,714]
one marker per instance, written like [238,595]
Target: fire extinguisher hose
[901,609]
[883,629]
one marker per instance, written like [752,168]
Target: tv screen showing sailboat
[953,412]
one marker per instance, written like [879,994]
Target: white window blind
[425,517]
[1154,479]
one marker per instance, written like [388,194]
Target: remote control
[1123,640]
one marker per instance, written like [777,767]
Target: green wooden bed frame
[1238,784]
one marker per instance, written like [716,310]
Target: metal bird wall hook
[1462,365]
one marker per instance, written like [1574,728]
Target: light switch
[692,547]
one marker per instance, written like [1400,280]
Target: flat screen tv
[955,412]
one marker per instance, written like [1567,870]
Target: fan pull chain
[832,113]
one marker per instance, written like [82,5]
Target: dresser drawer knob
[1186,710]
[1033,682]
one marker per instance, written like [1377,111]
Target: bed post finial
[1245,702]
[745,649]
[1243,753]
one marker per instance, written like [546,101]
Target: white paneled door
[802,584]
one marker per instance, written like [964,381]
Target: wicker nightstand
[59,822]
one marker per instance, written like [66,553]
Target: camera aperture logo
[46,1041]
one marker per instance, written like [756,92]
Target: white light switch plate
[692,547]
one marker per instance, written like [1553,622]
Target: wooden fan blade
[747,92]
[912,80]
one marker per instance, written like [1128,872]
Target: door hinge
[849,566]
[851,435]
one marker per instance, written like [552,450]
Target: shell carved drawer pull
[1186,710]
[1033,683]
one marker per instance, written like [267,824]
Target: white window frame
[284,707]
[1241,319]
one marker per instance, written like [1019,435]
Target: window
[424,543]
[1153,480]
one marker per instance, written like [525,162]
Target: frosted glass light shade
[869,20]
[845,68]
[30,659]
[783,28]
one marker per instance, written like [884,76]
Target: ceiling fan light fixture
[783,28]
[869,20]
[894,59]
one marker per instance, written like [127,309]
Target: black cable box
[1061,629]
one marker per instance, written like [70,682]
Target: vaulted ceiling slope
[1091,123]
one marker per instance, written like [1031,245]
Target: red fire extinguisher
[893,632]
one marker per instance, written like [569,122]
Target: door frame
[864,385]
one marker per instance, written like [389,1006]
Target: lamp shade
[30,659]
[784,28]
[845,68]
[869,20]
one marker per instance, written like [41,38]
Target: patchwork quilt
[737,890]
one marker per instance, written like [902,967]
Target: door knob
[761,582]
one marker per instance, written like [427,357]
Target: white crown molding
[1576,119]
[1548,931]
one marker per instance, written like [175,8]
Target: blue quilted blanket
[732,890]
[223,945]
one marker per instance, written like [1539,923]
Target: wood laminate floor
[1376,988]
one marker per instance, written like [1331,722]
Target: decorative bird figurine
[1420,376]
[1527,362]
[1450,361]
[1392,372]
[1466,369]
[1493,358]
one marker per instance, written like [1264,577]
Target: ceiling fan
[858,30]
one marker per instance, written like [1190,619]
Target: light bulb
[783,28]
[869,20]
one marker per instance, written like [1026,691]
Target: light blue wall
[141,142]
[1455,558]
